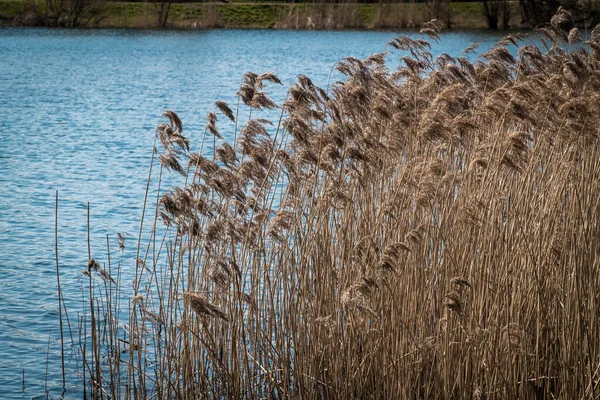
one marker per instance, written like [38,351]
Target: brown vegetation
[425,232]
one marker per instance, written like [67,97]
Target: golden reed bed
[425,232]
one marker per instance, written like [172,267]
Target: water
[78,111]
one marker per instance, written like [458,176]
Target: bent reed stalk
[430,231]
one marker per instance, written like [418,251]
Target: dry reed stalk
[60,319]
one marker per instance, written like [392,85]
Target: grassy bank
[257,15]
[430,231]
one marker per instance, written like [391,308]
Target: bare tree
[535,12]
[586,13]
[439,9]
[163,12]
[493,10]
[72,13]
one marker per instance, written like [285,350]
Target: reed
[429,231]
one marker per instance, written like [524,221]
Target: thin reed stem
[62,340]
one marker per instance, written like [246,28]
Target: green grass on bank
[260,15]
[249,15]
[11,8]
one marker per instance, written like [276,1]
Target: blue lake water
[78,109]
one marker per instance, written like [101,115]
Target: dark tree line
[64,13]
[586,13]
[537,12]
[76,13]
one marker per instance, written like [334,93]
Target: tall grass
[430,231]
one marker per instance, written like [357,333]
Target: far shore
[332,16]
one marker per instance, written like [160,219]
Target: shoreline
[295,16]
